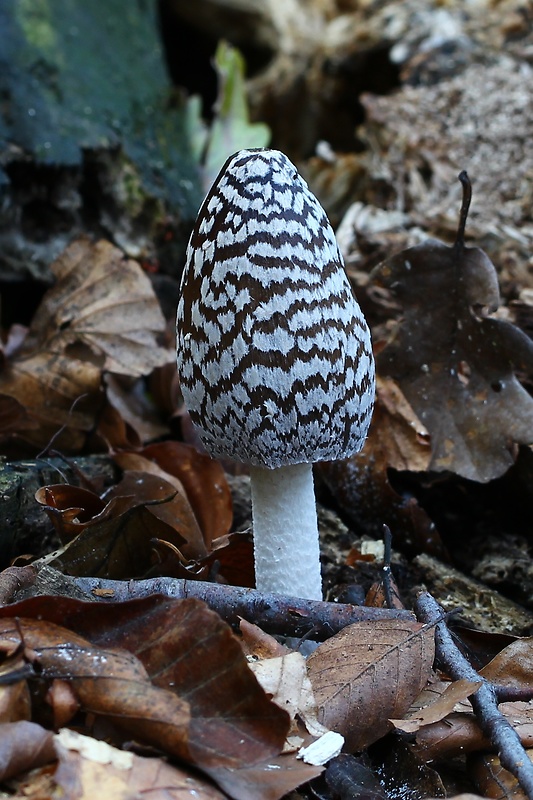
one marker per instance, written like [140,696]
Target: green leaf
[231,129]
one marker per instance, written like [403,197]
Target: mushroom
[274,354]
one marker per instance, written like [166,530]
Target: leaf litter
[170,673]
[101,315]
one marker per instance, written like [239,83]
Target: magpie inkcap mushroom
[274,354]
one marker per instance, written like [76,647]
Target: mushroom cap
[274,354]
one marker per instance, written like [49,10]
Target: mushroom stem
[286,545]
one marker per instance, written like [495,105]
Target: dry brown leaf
[459,732]
[257,644]
[513,666]
[103,300]
[15,701]
[55,390]
[89,768]
[13,416]
[271,780]
[455,735]
[108,682]
[456,365]
[367,674]
[102,314]
[194,545]
[493,780]
[396,431]
[204,481]
[235,731]
[183,645]
[114,538]
[285,679]
[427,710]
[23,746]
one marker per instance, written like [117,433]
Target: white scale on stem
[274,354]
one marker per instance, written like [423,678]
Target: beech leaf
[104,300]
[427,710]
[108,682]
[177,643]
[369,673]
[101,315]
[453,362]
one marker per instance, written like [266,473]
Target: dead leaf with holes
[368,674]
[454,363]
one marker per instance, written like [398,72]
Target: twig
[290,616]
[13,579]
[386,570]
[484,701]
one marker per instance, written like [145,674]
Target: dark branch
[485,700]
[290,616]
[465,207]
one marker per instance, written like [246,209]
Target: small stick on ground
[484,701]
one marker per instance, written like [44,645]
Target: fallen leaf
[108,682]
[182,645]
[513,666]
[396,432]
[257,644]
[204,482]
[63,702]
[492,779]
[460,733]
[455,364]
[270,780]
[14,416]
[185,645]
[89,768]
[15,701]
[427,710]
[367,674]
[457,734]
[102,314]
[61,394]
[114,539]
[235,732]
[104,300]
[233,558]
[285,679]
[24,746]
